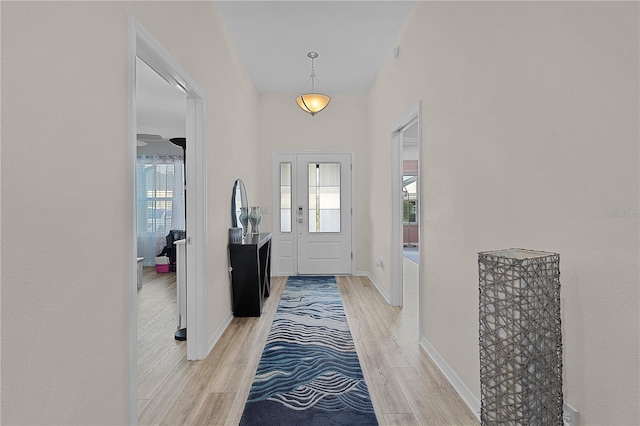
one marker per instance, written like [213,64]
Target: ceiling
[161,109]
[272,38]
[352,38]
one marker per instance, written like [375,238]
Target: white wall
[66,188]
[530,139]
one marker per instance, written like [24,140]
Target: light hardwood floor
[406,387]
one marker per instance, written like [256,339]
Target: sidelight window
[285,197]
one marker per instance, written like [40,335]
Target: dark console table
[250,272]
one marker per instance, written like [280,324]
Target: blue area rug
[309,373]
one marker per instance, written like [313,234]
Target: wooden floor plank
[406,387]
[403,419]
[215,409]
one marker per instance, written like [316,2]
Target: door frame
[396,287]
[144,46]
[278,157]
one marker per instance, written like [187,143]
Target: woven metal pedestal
[520,338]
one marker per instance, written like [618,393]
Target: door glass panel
[329,174]
[285,197]
[329,197]
[329,220]
[324,197]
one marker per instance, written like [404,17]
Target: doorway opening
[410,223]
[405,215]
[143,47]
[160,194]
[160,171]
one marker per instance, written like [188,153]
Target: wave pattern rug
[309,373]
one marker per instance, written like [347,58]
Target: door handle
[299,210]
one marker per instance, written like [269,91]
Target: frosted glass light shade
[313,102]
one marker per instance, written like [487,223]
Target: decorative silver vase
[255,217]
[244,220]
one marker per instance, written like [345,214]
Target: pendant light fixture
[309,100]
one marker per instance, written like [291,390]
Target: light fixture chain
[313,76]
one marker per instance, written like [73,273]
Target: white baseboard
[570,414]
[458,385]
[383,293]
[467,396]
[216,336]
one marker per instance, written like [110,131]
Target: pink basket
[162,268]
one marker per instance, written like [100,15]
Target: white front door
[314,232]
